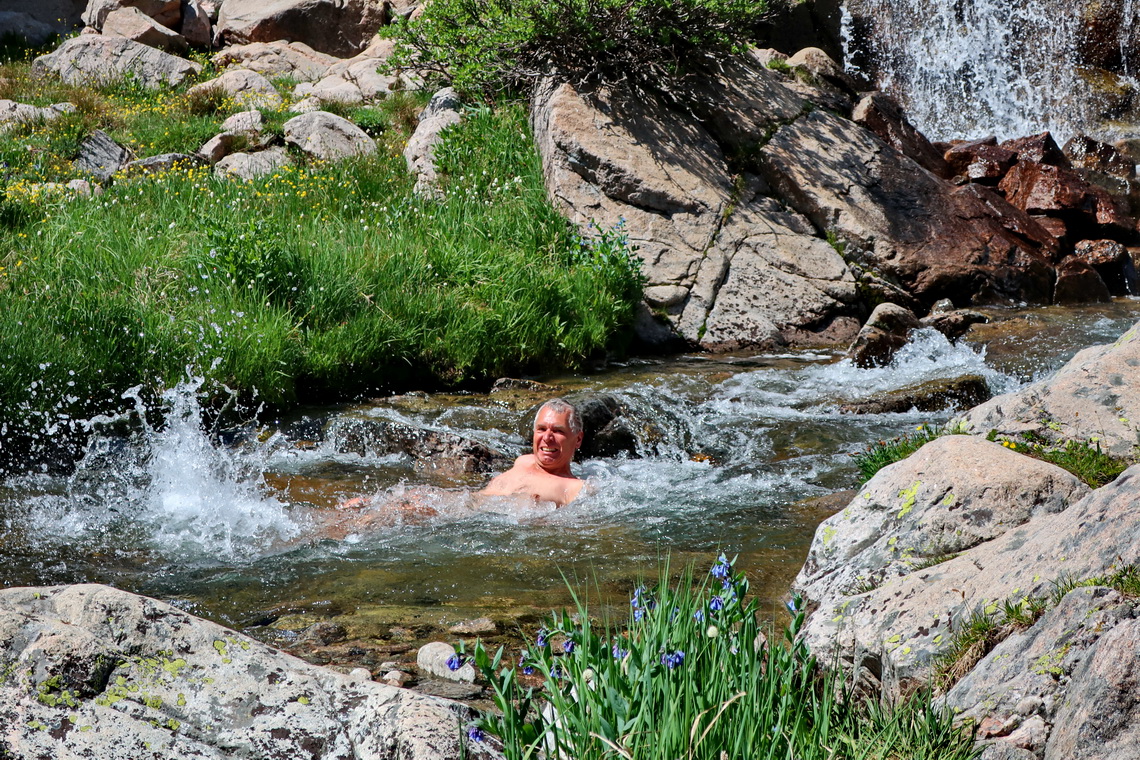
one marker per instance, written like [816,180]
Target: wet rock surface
[934,396]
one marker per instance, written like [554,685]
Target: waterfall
[972,68]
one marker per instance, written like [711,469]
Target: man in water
[544,474]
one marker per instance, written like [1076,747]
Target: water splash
[973,68]
[167,490]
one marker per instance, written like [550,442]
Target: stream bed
[749,454]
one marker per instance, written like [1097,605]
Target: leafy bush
[691,675]
[486,47]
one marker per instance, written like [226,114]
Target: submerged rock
[933,396]
[92,671]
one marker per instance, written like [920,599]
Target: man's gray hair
[562,406]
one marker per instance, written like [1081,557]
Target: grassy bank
[319,281]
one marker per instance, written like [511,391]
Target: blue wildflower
[540,640]
[716,604]
[722,569]
[527,668]
[699,616]
[455,662]
[638,615]
[672,659]
[475,734]
[619,653]
[794,604]
[568,646]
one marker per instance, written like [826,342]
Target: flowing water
[972,68]
[245,528]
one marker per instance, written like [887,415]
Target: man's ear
[581,438]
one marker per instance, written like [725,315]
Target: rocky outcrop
[327,136]
[1094,397]
[101,156]
[911,618]
[1063,688]
[727,265]
[338,27]
[91,671]
[250,165]
[12,112]
[953,494]
[357,79]
[441,112]
[95,59]
[903,225]
[883,334]
[431,450]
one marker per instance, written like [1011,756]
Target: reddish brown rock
[1079,282]
[1054,226]
[1112,262]
[1042,149]
[980,160]
[1087,153]
[1044,189]
[338,27]
[902,223]
[881,114]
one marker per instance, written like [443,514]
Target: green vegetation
[1084,459]
[882,453]
[691,675]
[485,48]
[315,282]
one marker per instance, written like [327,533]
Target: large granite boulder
[135,25]
[1094,397]
[277,59]
[338,27]
[248,166]
[91,671]
[903,224]
[1064,688]
[910,619]
[165,12]
[726,265]
[953,494]
[327,136]
[95,59]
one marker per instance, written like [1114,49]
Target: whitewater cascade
[973,68]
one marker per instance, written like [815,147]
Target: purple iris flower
[672,659]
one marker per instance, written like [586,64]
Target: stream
[234,526]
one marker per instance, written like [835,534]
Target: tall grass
[691,676]
[321,281]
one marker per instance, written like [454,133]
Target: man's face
[554,444]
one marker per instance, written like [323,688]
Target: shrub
[486,47]
[691,675]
